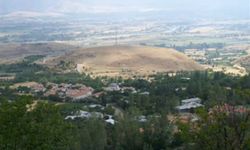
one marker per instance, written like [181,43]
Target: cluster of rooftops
[188,105]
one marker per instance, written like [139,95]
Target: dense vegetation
[42,126]
[199,46]
[29,71]
[27,124]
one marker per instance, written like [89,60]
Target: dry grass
[23,84]
[122,60]
[11,53]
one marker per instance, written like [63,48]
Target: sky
[195,8]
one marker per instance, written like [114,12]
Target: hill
[244,62]
[128,60]
[14,52]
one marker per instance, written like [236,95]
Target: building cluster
[226,108]
[195,54]
[69,92]
[7,78]
[186,113]
[74,92]
[116,87]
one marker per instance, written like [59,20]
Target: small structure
[188,105]
[7,78]
[99,94]
[113,87]
[131,89]
[78,94]
[142,119]
[181,89]
[38,88]
[109,119]
[79,114]
[94,106]
[226,108]
[85,115]
[145,93]
[74,92]
[185,78]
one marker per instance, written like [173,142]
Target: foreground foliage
[27,126]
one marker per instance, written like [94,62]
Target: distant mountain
[31,14]
[175,9]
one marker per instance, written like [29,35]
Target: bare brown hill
[10,53]
[119,60]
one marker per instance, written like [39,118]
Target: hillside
[124,60]
[11,53]
[244,62]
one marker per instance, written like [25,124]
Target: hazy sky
[237,8]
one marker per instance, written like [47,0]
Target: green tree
[158,133]
[127,136]
[92,135]
[223,130]
[25,125]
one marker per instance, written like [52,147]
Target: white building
[188,101]
[113,87]
[188,105]
[85,115]
[109,119]
[79,114]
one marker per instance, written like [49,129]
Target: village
[175,99]
[220,59]
[79,93]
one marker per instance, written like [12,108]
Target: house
[85,115]
[94,106]
[188,105]
[183,118]
[112,87]
[7,78]
[226,108]
[145,93]
[191,100]
[181,89]
[78,94]
[109,119]
[99,94]
[38,88]
[131,89]
[185,78]
[50,92]
[142,119]
[79,114]
[74,92]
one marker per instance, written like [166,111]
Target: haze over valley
[207,38]
[124,75]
